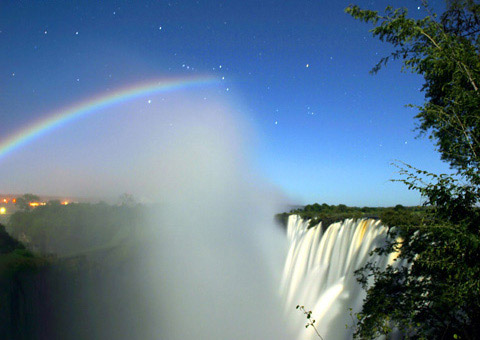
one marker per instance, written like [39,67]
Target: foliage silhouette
[437,294]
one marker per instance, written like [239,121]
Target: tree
[24,201]
[54,202]
[126,199]
[436,293]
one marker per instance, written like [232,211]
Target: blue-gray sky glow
[324,129]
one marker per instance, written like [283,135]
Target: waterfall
[319,273]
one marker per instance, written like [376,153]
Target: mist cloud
[210,259]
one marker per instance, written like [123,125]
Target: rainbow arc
[68,114]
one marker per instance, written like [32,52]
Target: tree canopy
[445,51]
[23,202]
[75,228]
[436,294]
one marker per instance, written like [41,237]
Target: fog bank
[207,265]
[215,255]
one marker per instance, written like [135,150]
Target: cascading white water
[319,273]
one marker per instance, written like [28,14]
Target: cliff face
[91,288]
[24,311]
[90,296]
[95,296]
[21,286]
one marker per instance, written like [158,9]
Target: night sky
[324,129]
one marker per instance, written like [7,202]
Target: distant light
[3,211]
[36,204]
[65,203]
[14,200]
